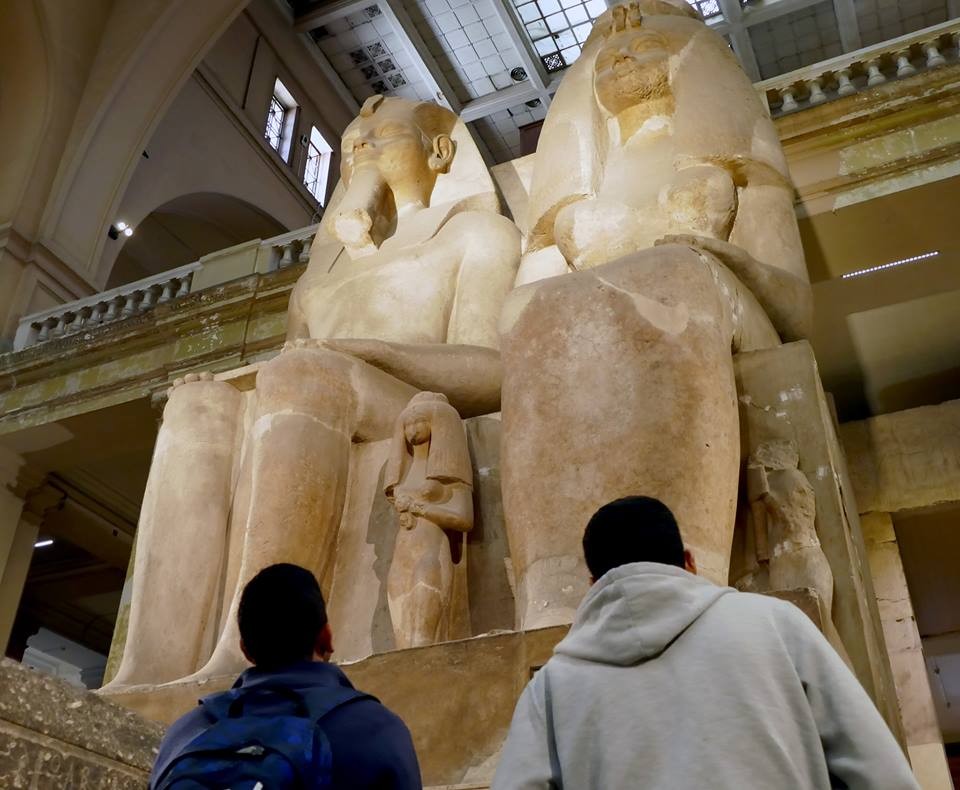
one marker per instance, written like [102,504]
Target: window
[280,120]
[558,28]
[318,165]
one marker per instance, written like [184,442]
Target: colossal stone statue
[429,480]
[240,481]
[661,195]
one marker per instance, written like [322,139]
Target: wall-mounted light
[120,227]
[42,544]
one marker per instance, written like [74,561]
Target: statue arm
[456,513]
[787,300]
[468,375]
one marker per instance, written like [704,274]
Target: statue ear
[443,150]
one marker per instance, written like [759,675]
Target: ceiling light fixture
[891,265]
[42,544]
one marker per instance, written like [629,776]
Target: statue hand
[378,353]
[402,502]
[418,508]
[301,342]
[189,379]
[407,521]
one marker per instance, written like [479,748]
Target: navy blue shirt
[371,746]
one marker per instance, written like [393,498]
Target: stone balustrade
[857,71]
[85,315]
[104,308]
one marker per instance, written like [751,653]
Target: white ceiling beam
[426,64]
[740,36]
[754,15]
[503,99]
[849,25]
[532,64]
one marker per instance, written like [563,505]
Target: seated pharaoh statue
[413,256]
[661,195]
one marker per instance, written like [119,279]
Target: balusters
[874,75]
[113,309]
[789,100]
[817,96]
[934,58]
[96,315]
[167,293]
[305,249]
[130,304]
[904,66]
[149,298]
[846,87]
[286,255]
[45,328]
[184,288]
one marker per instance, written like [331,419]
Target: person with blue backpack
[293,720]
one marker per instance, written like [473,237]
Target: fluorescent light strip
[872,269]
[42,544]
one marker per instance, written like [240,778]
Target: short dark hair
[281,613]
[632,529]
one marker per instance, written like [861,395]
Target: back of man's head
[281,615]
[632,529]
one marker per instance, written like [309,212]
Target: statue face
[416,426]
[631,69]
[390,142]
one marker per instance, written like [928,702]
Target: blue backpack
[276,744]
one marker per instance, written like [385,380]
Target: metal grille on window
[708,8]
[275,118]
[311,175]
[558,28]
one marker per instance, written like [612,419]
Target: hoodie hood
[634,612]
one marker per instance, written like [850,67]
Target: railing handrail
[858,56]
[291,235]
[121,290]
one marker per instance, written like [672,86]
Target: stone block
[53,735]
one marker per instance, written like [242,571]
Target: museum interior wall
[152,114]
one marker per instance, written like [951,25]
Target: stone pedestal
[457,698]
[781,397]
[54,736]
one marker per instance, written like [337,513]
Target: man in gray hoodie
[668,681]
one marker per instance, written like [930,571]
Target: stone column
[17,536]
[924,740]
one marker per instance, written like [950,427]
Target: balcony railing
[858,71]
[138,297]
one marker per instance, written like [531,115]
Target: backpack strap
[325,699]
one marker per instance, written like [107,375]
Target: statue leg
[617,381]
[181,534]
[311,405]
[419,585]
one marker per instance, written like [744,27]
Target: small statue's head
[418,416]
[407,142]
[632,64]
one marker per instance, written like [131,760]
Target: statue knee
[203,406]
[313,381]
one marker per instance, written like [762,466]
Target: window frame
[281,98]
[316,183]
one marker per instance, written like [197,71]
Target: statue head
[633,50]
[408,144]
[429,418]
[398,158]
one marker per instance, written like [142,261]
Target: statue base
[457,698]
[53,734]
